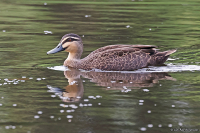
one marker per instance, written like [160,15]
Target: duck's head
[71,43]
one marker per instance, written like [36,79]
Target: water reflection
[73,92]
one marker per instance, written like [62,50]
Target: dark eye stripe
[69,40]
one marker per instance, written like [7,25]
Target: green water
[104,102]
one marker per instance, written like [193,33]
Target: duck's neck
[73,58]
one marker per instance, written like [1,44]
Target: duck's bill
[56,49]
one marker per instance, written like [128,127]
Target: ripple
[167,68]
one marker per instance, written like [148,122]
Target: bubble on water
[108,87]
[84,104]
[78,97]
[69,116]
[72,110]
[31,78]
[94,98]
[23,77]
[0,84]
[2,97]
[149,111]
[169,125]
[159,125]
[83,80]
[69,120]
[1,104]
[143,129]
[160,84]
[113,81]
[86,100]
[131,82]
[173,106]
[52,117]
[45,4]
[150,125]
[5,83]
[141,101]
[36,116]
[150,29]
[43,78]
[128,26]
[155,104]
[22,80]
[4,30]
[145,90]
[14,105]
[59,118]
[99,103]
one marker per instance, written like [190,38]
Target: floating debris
[170,125]
[87,16]
[141,101]
[180,124]
[48,32]
[52,117]
[143,129]
[40,112]
[36,116]
[90,96]
[69,116]
[150,125]
[145,90]
[61,111]
[14,105]
[89,104]
[149,111]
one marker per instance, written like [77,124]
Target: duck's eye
[69,39]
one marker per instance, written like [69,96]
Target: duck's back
[123,58]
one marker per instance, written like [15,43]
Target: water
[39,95]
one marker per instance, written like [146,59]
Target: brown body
[112,57]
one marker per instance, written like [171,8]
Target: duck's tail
[160,57]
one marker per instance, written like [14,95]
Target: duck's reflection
[110,80]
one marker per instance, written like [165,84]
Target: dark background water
[110,102]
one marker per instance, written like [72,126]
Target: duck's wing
[124,57]
[118,58]
[112,47]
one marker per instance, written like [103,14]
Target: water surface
[36,99]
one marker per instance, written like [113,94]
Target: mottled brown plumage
[112,57]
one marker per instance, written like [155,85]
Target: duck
[119,57]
